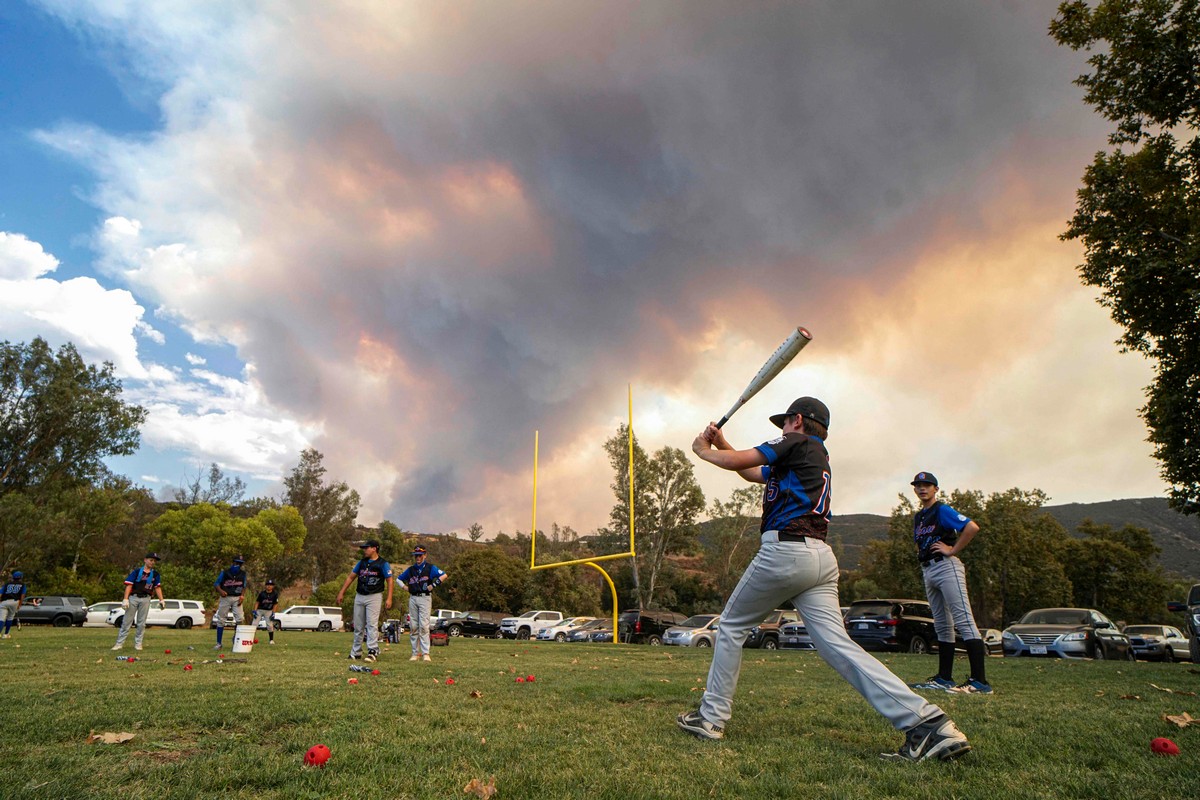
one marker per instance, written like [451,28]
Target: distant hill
[1176,534]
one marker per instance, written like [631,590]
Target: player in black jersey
[264,608]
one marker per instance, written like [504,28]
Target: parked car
[585,631]
[1192,620]
[181,614]
[892,625]
[61,611]
[603,634]
[646,626]
[766,634]
[1158,642]
[993,642]
[528,624]
[1067,633]
[97,614]
[695,631]
[794,636]
[559,633]
[309,618]
[474,623]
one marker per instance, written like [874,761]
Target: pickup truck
[528,624]
[1191,609]
[61,611]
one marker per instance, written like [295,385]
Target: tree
[733,532]
[328,510]
[1115,571]
[220,489]
[475,532]
[207,537]
[674,501]
[1138,212]
[487,579]
[59,418]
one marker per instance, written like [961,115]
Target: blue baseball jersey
[797,497]
[13,591]
[144,581]
[421,578]
[938,523]
[234,583]
[372,575]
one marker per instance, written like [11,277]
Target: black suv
[766,633]
[475,623]
[646,626]
[892,625]
[1192,624]
[61,611]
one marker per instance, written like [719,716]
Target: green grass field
[598,722]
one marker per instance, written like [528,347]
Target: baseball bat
[778,360]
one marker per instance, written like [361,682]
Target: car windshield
[698,621]
[593,625]
[870,610]
[1146,630]
[1055,616]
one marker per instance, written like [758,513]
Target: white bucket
[243,638]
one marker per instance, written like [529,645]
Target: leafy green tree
[207,537]
[475,532]
[675,502]
[1116,572]
[574,590]
[59,418]
[216,487]
[734,534]
[486,579]
[1138,212]
[328,511]
[618,449]
[22,525]
[85,515]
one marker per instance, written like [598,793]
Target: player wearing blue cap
[940,534]
[139,585]
[231,584]
[374,576]
[420,579]
[794,564]
[12,595]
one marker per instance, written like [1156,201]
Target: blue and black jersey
[144,581]
[234,583]
[372,575]
[938,523]
[12,591]
[421,578]
[267,601]
[797,497]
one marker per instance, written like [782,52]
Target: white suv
[560,632]
[309,618]
[181,614]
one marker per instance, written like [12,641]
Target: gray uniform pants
[366,622]
[420,606]
[946,588]
[139,609]
[227,604]
[806,574]
[8,610]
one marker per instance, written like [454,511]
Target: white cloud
[22,259]
[195,360]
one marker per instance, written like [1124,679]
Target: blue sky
[411,239]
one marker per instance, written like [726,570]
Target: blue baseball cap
[925,477]
[17,575]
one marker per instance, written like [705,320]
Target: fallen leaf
[1100,693]
[521,726]
[1131,697]
[1174,691]
[108,738]
[480,789]
[435,680]
[476,693]
[1182,720]
[483,740]
[664,680]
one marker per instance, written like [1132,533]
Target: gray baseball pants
[8,610]
[805,574]
[227,604]
[946,589]
[139,609]
[366,623]
[420,607]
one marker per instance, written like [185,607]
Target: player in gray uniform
[230,585]
[794,564]
[940,534]
[139,585]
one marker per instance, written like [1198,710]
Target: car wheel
[653,641]
[1098,651]
[1132,656]
[183,623]
[918,645]
[62,622]
[325,626]
[1194,649]
[560,637]
[118,622]
[278,625]
[770,644]
[523,633]
[1169,655]
[704,643]
[454,630]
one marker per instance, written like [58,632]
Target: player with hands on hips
[794,564]
[420,579]
[374,576]
[940,534]
[139,585]
[231,584]
[12,595]
[264,608]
